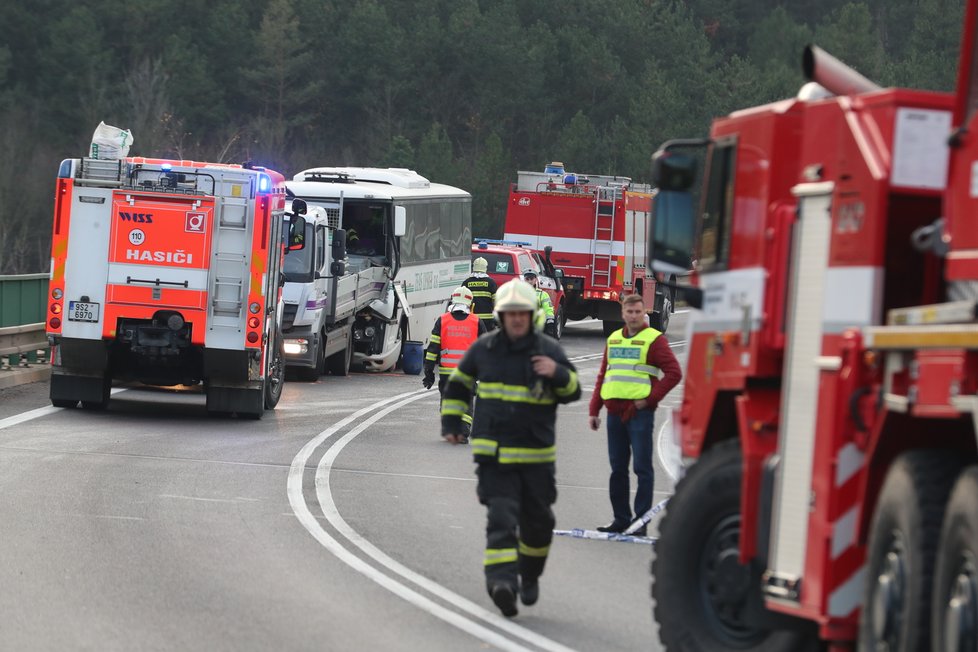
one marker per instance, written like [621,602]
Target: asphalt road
[339,521]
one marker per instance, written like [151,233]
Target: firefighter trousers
[466,418]
[521,522]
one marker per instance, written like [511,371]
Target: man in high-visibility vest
[452,335]
[519,377]
[483,289]
[637,371]
[545,314]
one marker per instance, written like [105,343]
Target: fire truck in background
[597,227]
[167,273]
[830,400]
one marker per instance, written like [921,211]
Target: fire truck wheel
[903,543]
[700,589]
[955,610]
[560,320]
[609,327]
[339,363]
[275,378]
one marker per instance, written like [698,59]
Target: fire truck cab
[829,414]
[508,260]
[167,273]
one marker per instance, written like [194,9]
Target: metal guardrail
[25,342]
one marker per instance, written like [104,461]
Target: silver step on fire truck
[167,273]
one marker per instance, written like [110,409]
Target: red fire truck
[830,401]
[167,273]
[597,227]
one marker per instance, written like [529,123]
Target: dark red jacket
[661,356]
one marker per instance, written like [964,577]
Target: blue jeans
[626,440]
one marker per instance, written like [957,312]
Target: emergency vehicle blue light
[264,183]
[64,170]
[483,245]
[166,167]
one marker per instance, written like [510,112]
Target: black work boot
[505,598]
[529,591]
[616,527]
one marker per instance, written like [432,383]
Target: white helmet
[516,296]
[461,296]
[480,264]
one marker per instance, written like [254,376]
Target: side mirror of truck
[297,233]
[338,253]
[299,206]
[400,221]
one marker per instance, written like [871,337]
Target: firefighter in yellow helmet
[483,289]
[518,377]
[452,335]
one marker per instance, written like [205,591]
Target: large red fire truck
[597,227]
[167,273]
[830,401]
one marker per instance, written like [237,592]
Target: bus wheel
[954,617]
[702,592]
[902,548]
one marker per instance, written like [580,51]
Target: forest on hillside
[464,91]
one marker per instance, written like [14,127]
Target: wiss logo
[142,218]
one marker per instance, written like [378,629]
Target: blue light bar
[166,167]
[264,183]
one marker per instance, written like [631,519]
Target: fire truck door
[799,397]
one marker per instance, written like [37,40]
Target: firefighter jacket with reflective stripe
[453,333]
[483,289]
[627,375]
[515,409]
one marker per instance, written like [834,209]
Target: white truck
[328,290]
[384,249]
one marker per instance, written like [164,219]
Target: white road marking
[199,499]
[30,415]
[302,512]
[121,518]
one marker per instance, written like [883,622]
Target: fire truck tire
[339,363]
[955,610]
[275,376]
[560,320]
[660,320]
[699,588]
[609,327]
[903,543]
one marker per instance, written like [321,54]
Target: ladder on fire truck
[604,235]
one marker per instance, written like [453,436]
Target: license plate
[82,311]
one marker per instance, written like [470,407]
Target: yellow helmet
[516,296]
[480,264]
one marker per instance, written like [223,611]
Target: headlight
[369,331]
[296,347]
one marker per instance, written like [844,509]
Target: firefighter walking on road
[483,289]
[452,335]
[519,377]
[545,314]
[637,371]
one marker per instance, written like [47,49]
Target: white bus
[427,262]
